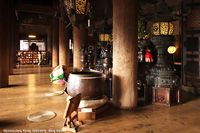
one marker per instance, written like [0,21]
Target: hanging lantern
[77,10]
[104,37]
[104,34]
[105,31]
[163,28]
[171,49]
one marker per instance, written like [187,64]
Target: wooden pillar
[11,38]
[49,45]
[125,50]
[17,39]
[49,36]
[4,43]
[14,43]
[80,36]
[55,43]
[63,44]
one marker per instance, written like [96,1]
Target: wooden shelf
[31,57]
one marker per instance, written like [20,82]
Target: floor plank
[26,95]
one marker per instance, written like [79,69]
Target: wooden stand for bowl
[71,114]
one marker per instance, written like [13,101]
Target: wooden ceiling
[41,12]
[36,2]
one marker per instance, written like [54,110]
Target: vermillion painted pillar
[4,43]
[63,44]
[125,50]
[80,37]
[55,43]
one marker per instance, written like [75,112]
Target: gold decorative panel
[80,6]
[104,37]
[171,29]
[163,28]
[69,5]
[156,30]
[88,8]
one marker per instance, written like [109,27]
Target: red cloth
[148,57]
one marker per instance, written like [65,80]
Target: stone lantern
[162,79]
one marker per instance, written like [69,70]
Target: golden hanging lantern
[105,32]
[77,10]
[79,6]
[104,37]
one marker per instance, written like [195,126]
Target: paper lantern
[171,49]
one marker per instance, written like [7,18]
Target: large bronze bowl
[91,85]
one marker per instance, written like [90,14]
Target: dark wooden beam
[34,9]
[150,1]
[101,22]
[34,25]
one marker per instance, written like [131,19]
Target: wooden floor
[26,95]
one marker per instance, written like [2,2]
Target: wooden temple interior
[157,96]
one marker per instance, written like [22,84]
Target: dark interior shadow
[6,123]
[141,102]
[14,85]
[116,92]
[9,86]
[187,96]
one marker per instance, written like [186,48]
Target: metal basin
[91,85]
